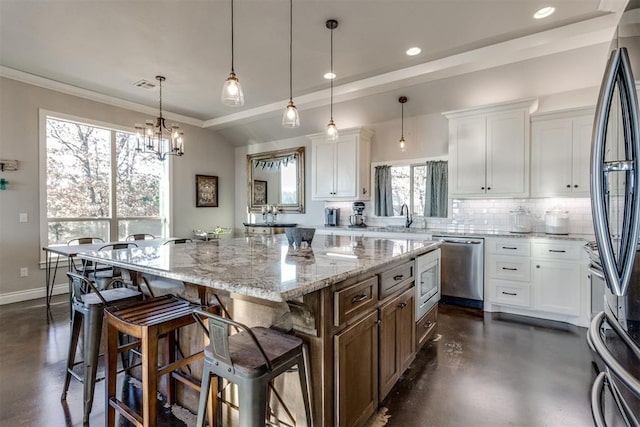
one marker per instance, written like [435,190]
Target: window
[407,184]
[96,185]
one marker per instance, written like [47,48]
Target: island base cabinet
[426,327]
[397,339]
[356,372]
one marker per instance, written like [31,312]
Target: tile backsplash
[489,214]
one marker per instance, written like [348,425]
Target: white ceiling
[473,52]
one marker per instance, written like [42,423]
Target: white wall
[206,153]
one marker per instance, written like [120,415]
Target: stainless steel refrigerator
[614,333]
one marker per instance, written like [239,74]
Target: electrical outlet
[24,217]
[24,272]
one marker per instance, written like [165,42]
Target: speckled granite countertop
[265,266]
[451,232]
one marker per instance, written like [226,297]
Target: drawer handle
[428,325]
[359,298]
[402,305]
[398,277]
[510,248]
[509,269]
[561,251]
[510,293]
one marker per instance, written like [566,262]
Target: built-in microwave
[427,275]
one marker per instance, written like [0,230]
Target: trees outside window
[97,185]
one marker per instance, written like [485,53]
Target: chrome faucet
[408,219]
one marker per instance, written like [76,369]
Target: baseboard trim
[29,294]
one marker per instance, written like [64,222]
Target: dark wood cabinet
[356,372]
[397,339]
[426,327]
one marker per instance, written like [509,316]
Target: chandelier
[156,138]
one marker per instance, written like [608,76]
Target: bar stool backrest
[81,286]
[141,236]
[85,241]
[177,241]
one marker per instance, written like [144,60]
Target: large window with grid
[94,183]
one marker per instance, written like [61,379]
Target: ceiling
[473,52]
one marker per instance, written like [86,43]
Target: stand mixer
[357,219]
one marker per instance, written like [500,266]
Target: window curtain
[436,186]
[384,199]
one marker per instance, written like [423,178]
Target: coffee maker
[331,216]
[357,219]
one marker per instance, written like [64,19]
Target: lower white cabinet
[541,278]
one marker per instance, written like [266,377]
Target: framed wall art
[259,192]
[206,191]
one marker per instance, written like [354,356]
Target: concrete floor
[482,370]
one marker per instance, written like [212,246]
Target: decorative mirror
[276,178]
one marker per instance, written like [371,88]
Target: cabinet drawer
[510,268]
[394,279]
[511,294]
[354,300]
[557,250]
[515,247]
[426,327]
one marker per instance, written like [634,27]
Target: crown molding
[67,89]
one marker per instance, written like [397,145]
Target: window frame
[113,219]
[395,163]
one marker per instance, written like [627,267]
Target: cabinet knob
[537,266]
[488,188]
[568,185]
[482,188]
[575,186]
[402,305]
[364,190]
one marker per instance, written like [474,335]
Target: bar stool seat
[148,321]
[251,359]
[88,304]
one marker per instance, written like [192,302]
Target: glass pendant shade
[291,118]
[332,132]
[232,92]
[402,144]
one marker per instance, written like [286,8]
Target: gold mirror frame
[276,156]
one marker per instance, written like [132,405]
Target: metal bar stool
[148,321]
[88,309]
[140,236]
[251,359]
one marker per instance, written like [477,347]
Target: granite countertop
[265,266]
[451,232]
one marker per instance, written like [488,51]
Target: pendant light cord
[333,76]
[232,70]
[402,122]
[290,50]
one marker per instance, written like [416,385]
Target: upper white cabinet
[489,151]
[560,153]
[341,170]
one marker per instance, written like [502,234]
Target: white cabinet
[341,170]
[537,277]
[560,153]
[489,151]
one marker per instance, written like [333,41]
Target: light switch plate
[24,272]
[24,217]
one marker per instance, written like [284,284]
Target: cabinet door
[551,154]
[356,359]
[467,138]
[346,167]
[397,339]
[557,287]
[507,154]
[582,130]
[323,170]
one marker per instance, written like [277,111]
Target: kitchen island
[350,299]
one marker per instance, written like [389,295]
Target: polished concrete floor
[482,370]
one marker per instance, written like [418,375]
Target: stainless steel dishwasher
[462,270]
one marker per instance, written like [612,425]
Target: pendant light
[402,100]
[291,118]
[156,138]
[232,91]
[332,130]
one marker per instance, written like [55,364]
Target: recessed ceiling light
[413,51]
[544,12]
[329,76]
